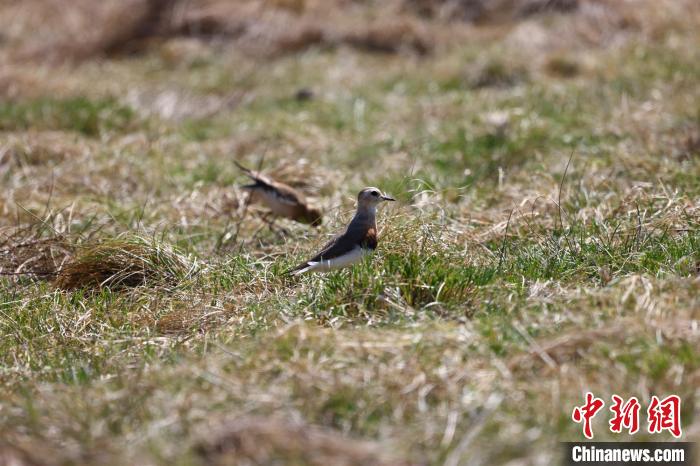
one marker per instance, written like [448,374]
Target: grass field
[546,241]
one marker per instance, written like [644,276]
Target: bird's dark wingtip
[291,272]
[245,170]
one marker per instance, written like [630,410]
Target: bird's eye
[375,193]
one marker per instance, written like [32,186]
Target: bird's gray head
[370,197]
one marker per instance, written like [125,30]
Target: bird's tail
[299,269]
[245,170]
[250,174]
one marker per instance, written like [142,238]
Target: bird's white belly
[273,202]
[348,259]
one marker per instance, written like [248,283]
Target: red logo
[665,415]
[587,412]
[625,415]
[661,415]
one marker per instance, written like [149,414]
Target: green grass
[79,114]
[579,255]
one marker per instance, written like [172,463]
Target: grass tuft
[126,261]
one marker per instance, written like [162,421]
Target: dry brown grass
[270,440]
[262,27]
[566,349]
[38,148]
[482,11]
[270,29]
[28,251]
[88,30]
[467,337]
[11,455]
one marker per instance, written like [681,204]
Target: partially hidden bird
[280,198]
[358,239]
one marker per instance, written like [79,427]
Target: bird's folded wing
[344,243]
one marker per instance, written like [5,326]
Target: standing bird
[281,199]
[359,238]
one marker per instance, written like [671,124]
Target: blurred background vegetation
[546,156]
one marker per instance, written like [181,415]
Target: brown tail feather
[245,170]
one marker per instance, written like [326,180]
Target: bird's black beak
[387,198]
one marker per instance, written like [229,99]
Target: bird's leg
[256,232]
[278,231]
[268,221]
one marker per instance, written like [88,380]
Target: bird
[358,239]
[281,199]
